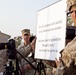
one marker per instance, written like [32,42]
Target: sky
[16,15]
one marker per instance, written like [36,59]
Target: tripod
[40,67]
[12,66]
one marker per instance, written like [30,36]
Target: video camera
[10,46]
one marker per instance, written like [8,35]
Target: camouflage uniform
[48,68]
[68,64]
[25,66]
[69,52]
[24,62]
[68,56]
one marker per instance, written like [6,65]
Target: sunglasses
[70,12]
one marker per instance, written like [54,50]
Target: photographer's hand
[33,43]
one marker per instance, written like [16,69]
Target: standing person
[71,8]
[68,55]
[25,66]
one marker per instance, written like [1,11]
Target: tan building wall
[4,37]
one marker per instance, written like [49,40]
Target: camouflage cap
[25,31]
[70,3]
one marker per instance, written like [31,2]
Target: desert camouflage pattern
[23,62]
[25,31]
[48,68]
[69,53]
[70,3]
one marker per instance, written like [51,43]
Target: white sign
[51,30]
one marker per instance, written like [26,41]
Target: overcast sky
[16,15]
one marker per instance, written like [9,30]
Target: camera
[10,46]
[31,38]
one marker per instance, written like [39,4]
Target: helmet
[70,3]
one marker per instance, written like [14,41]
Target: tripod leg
[35,72]
[4,73]
[39,68]
[42,68]
[39,72]
[44,71]
[18,70]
